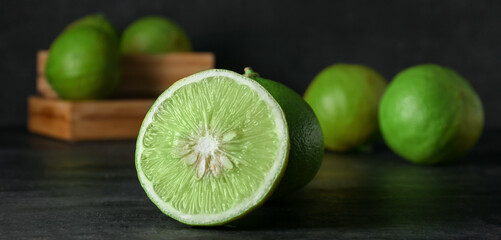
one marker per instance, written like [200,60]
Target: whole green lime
[345,98]
[306,140]
[430,114]
[154,34]
[98,21]
[83,63]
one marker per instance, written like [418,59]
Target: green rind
[306,139]
[261,201]
[430,114]
[345,99]
[152,35]
[83,63]
[97,21]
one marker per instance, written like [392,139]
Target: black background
[288,41]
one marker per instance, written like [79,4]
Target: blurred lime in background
[98,21]
[84,60]
[345,98]
[430,114]
[154,34]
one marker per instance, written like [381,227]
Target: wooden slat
[142,75]
[51,108]
[199,59]
[150,75]
[49,117]
[87,120]
[43,87]
[51,127]
[41,60]
[111,109]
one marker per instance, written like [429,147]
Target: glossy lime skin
[345,98]
[430,114]
[306,139]
[154,34]
[97,21]
[83,64]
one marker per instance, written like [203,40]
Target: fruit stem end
[248,72]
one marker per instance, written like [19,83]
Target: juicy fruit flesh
[209,148]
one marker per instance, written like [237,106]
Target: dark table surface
[56,190]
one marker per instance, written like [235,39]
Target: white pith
[205,152]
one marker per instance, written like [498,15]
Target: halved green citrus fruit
[212,148]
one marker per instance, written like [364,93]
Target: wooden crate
[86,120]
[144,76]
